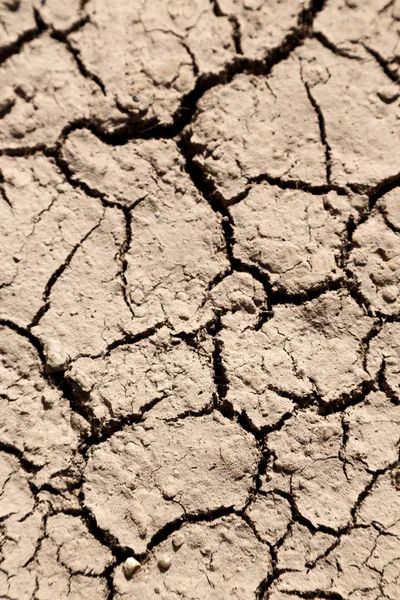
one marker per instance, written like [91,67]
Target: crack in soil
[78,400]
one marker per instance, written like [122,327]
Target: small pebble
[178,540]
[56,357]
[390,293]
[135,99]
[157,214]
[131,565]
[164,562]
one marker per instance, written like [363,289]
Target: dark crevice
[364,494]
[27,334]
[353,287]
[76,183]
[347,246]
[222,404]
[84,71]
[206,187]
[376,192]
[192,58]
[25,150]
[206,410]
[322,129]
[324,41]
[27,465]
[56,275]
[316,595]
[65,169]
[385,387]
[119,552]
[5,197]
[365,343]
[7,107]
[102,431]
[69,392]
[14,48]
[385,66]
[202,517]
[236,34]
[216,9]
[347,399]
[388,224]
[130,338]
[220,374]
[291,184]
[137,127]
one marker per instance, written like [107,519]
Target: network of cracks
[199,300]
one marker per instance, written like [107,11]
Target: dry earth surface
[199,300]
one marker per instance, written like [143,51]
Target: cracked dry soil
[199,300]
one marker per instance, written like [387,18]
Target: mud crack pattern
[199,300]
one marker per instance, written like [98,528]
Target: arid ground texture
[199,300]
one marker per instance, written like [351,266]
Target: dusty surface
[199,300]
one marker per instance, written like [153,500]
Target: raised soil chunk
[36,420]
[42,225]
[381,507]
[221,559]
[140,480]
[87,307]
[264,26]
[384,353]
[325,480]
[45,92]
[162,47]
[373,431]
[375,265]
[16,20]
[389,206]
[294,237]
[352,25]
[271,515]
[257,126]
[59,15]
[314,347]
[152,375]
[361,128]
[240,298]
[176,248]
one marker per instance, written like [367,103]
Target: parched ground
[199,299]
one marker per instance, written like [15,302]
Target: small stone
[389,93]
[56,357]
[178,540]
[131,566]
[164,562]
[390,293]
[135,99]
[157,214]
